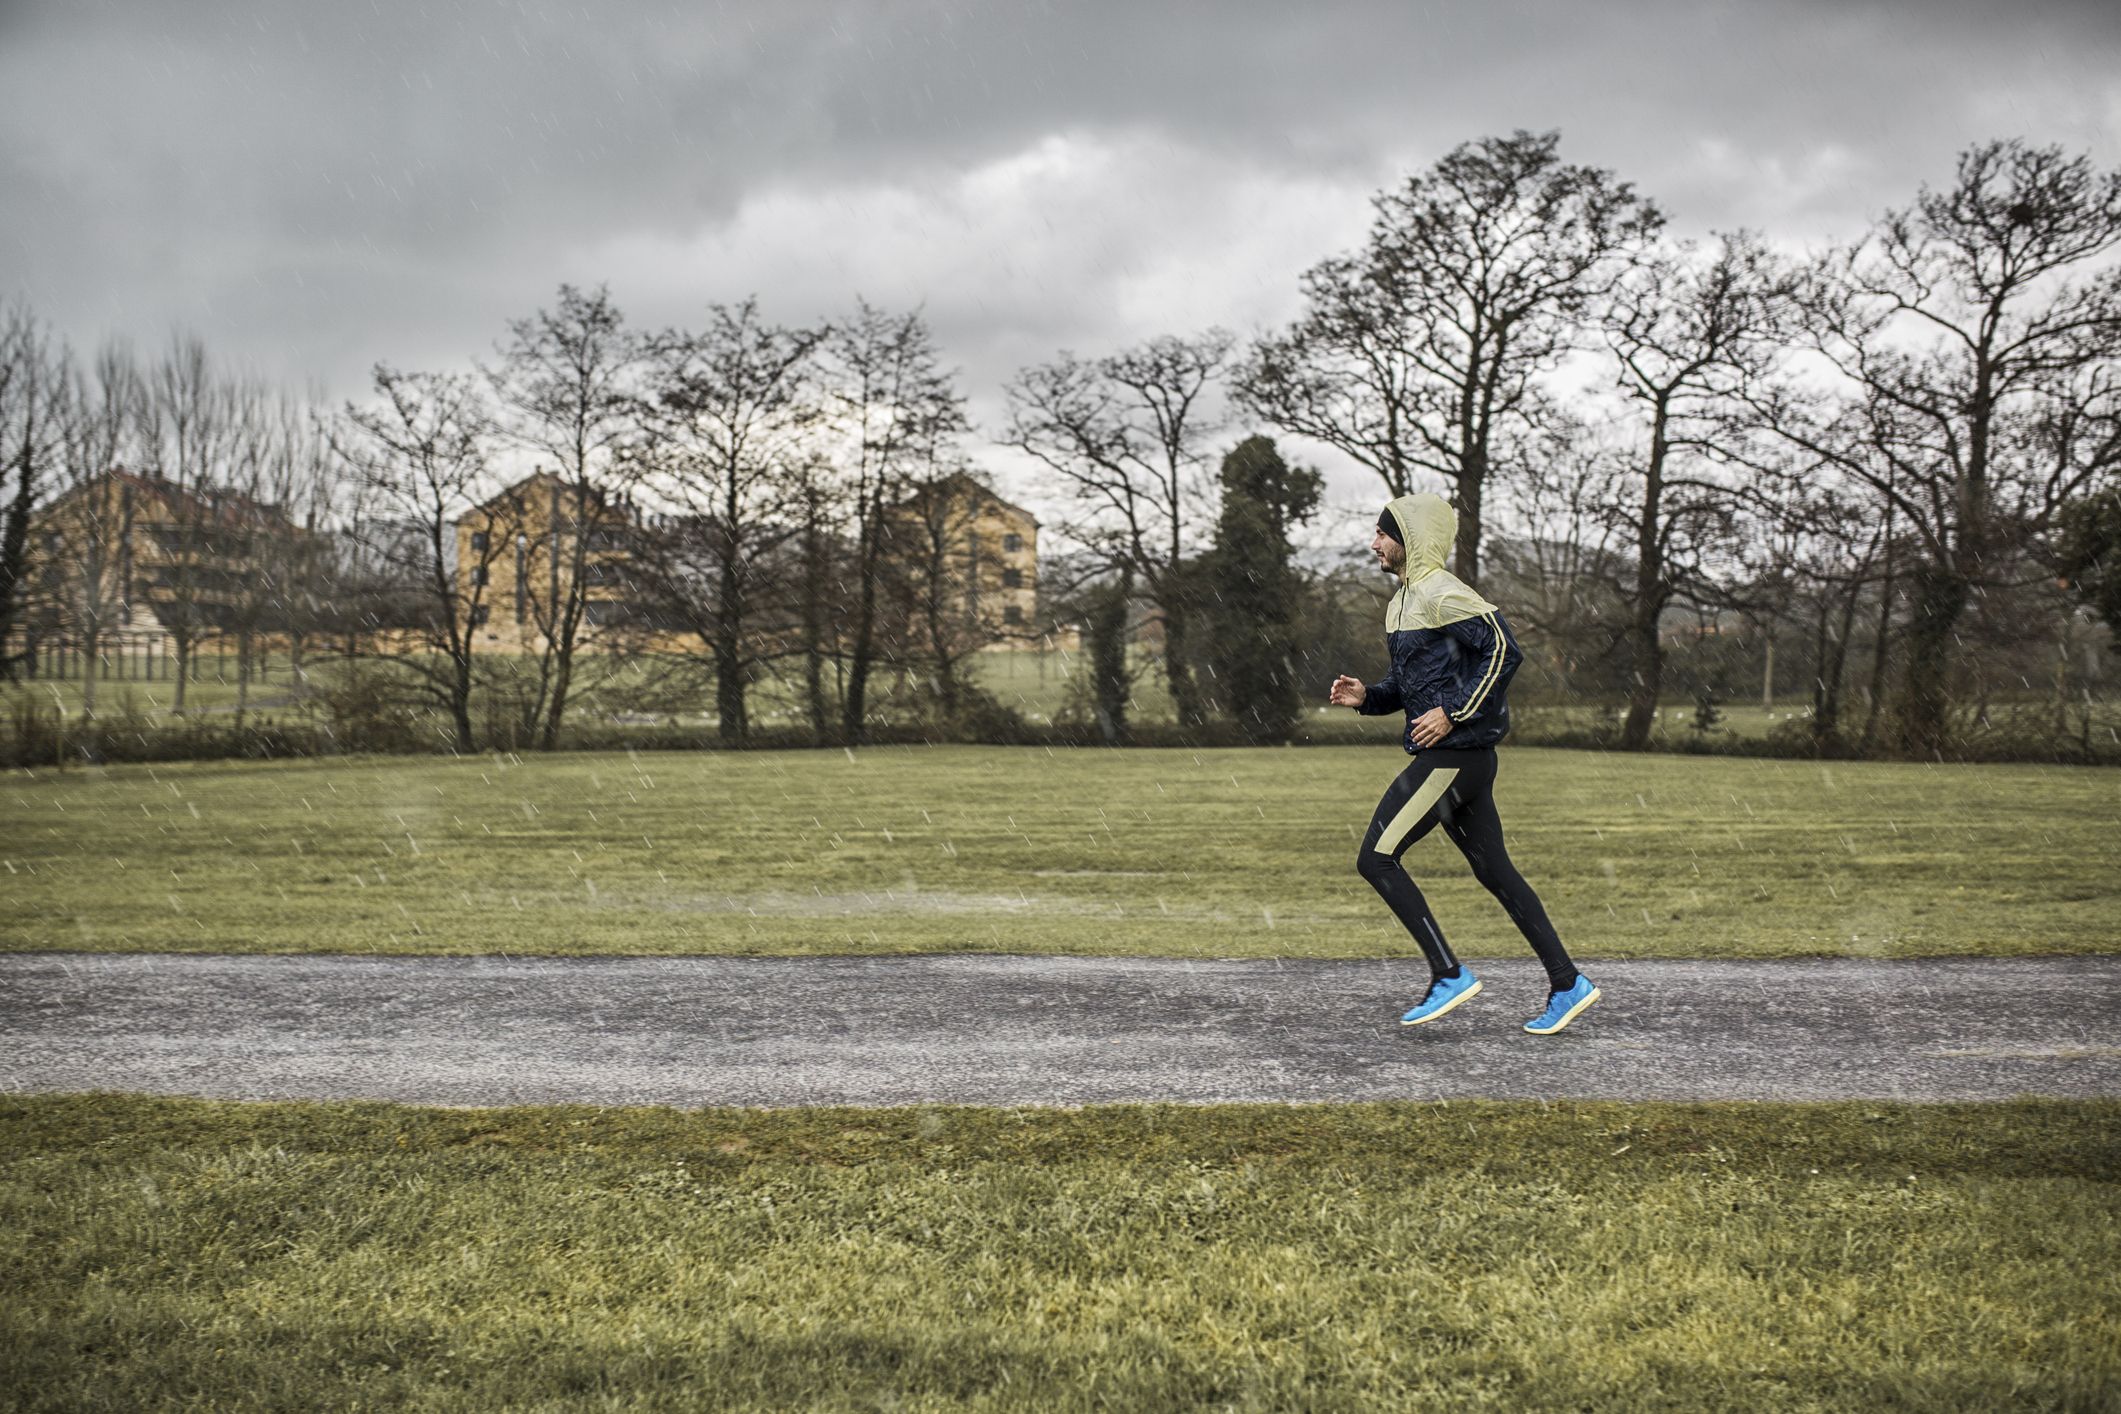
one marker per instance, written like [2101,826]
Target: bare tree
[565,383]
[420,456]
[1348,372]
[33,385]
[88,550]
[266,561]
[893,413]
[258,468]
[1423,351]
[1834,551]
[938,573]
[730,414]
[1977,334]
[1691,332]
[187,425]
[1889,547]
[308,565]
[1128,436]
[1563,566]
[815,588]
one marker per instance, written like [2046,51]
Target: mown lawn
[1229,853]
[169,1253]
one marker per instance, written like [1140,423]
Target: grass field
[187,1254]
[1231,853]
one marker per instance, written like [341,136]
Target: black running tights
[1454,789]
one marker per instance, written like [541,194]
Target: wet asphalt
[1005,1030]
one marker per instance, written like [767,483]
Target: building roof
[515,490]
[958,482]
[224,507]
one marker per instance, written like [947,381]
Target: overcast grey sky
[313,185]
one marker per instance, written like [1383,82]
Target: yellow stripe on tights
[1430,791]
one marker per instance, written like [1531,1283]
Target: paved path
[1024,1030]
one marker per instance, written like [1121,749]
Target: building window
[478,616]
[1012,542]
[1012,579]
[1012,615]
[478,576]
[479,542]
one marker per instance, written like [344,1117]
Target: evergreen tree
[1257,588]
[2091,555]
[1098,692]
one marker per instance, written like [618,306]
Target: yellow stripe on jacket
[1487,679]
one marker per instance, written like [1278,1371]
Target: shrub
[362,705]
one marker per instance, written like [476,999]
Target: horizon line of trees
[1898,458]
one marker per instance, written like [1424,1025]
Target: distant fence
[144,660]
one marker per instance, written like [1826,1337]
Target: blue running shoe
[1563,1007]
[1443,994]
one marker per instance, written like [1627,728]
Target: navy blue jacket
[1464,667]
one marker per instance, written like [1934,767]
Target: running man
[1452,660]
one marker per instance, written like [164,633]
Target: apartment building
[516,553]
[984,549]
[516,560]
[139,558]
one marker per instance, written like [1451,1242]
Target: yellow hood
[1429,596]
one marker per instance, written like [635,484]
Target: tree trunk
[853,718]
[91,642]
[1108,658]
[1878,652]
[1178,671]
[1826,727]
[556,669]
[184,657]
[733,726]
[856,705]
[2062,647]
[814,681]
[814,623]
[1826,686]
[1767,673]
[14,556]
[1940,598]
[557,676]
[460,707]
[1471,484]
[563,675]
[947,691]
[1650,593]
[1649,679]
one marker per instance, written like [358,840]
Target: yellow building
[133,559]
[516,559]
[516,553]
[985,550]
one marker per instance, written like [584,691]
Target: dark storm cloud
[316,186]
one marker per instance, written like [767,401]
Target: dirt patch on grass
[819,904]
